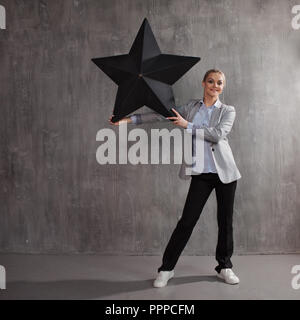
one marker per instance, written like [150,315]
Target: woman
[220,173]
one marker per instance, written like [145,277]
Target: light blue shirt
[201,118]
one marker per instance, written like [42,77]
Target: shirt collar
[217,104]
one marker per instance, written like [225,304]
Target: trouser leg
[225,200]
[199,191]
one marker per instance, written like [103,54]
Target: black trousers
[200,188]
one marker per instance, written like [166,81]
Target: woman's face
[213,85]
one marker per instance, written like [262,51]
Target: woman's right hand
[128,120]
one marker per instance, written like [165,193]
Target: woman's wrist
[128,120]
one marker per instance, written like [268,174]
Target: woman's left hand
[179,121]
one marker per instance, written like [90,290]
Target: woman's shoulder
[228,107]
[193,102]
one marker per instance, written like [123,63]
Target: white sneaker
[163,278]
[228,276]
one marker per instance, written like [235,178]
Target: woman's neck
[209,101]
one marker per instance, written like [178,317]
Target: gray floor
[131,277]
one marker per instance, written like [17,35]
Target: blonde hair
[214,71]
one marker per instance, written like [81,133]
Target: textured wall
[54,195]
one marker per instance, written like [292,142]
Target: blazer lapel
[194,111]
[215,116]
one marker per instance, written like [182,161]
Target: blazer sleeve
[221,130]
[148,117]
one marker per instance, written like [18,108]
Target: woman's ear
[203,84]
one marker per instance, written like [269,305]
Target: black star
[145,75]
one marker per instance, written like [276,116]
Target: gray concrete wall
[56,198]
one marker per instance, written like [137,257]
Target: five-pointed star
[145,75]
